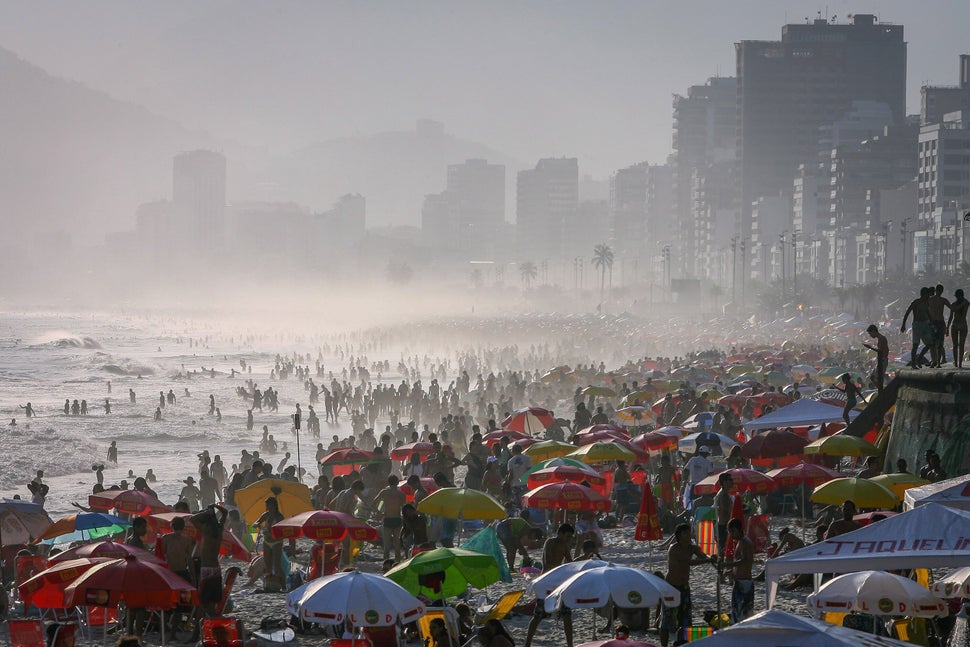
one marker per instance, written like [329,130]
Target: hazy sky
[591,79]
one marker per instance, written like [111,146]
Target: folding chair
[65,635]
[449,615]
[26,633]
[222,632]
[501,608]
[706,536]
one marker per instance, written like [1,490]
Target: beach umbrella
[635,398]
[363,599]
[841,445]
[404,452]
[776,378]
[745,480]
[803,369]
[877,593]
[635,415]
[626,587]
[803,473]
[426,482]
[324,525]
[89,524]
[601,427]
[553,462]
[547,449]
[863,492]
[617,642]
[292,497]
[601,452]
[133,502]
[597,437]
[718,443]
[349,456]
[954,585]
[657,440]
[703,419]
[598,392]
[493,437]
[530,420]
[21,521]
[780,628]
[462,503]
[138,583]
[107,549]
[229,545]
[565,474]
[573,497]
[546,583]
[898,483]
[774,444]
[45,590]
[445,572]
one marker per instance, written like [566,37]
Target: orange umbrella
[324,525]
[46,589]
[230,545]
[349,456]
[107,549]
[138,583]
[566,496]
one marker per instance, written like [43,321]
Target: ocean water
[47,357]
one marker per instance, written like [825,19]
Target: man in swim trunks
[391,500]
[210,523]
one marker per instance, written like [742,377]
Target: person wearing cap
[190,494]
[698,468]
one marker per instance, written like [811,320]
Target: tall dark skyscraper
[790,88]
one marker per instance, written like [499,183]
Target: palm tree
[529,272]
[603,261]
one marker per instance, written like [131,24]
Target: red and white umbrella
[134,502]
[630,588]
[877,593]
[363,599]
[494,437]
[530,420]
[138,583]
[45,590]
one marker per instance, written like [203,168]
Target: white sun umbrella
[877,593]
[546,583]
[366,600]
[626,587]
[954,585]
[781,628]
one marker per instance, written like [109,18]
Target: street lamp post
[794,263]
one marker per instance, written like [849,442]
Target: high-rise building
[469,215]
[790,88]
[704,160]
[628,210]
[199,197]
[938,100]
[547,197]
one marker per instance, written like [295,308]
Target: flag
[648,523]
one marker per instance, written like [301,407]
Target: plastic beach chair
[222,632]
[26,633]
[502,607]
[449,615]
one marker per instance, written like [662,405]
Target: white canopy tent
[800,413]
[931,536]
[781,628]
[954,493]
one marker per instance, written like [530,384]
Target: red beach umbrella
[138,583]
[324,525]
[566,496]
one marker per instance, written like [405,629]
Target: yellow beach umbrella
[292,497]
[602,453]
[898,483]
[841,445]
[641,395]
[548,449]
[863,492]
[598,392]
[462,503]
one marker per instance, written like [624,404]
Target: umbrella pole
[163,626]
